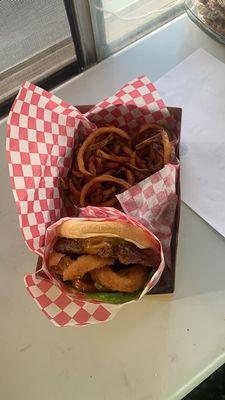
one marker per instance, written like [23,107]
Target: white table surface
[158,349]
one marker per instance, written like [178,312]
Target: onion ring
[101,178]
[87,142]
[127,280]
[83,264]
[53,262]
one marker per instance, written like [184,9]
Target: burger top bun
[77,229]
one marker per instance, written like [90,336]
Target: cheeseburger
[104,256]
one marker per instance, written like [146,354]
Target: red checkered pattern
[40,139]
[136,104]
[62,309]
[41,133]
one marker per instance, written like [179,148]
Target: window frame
[47,83]
[106,49]
[68,71]
[86,27]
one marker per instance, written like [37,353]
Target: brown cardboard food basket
[166,283]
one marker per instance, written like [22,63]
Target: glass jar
[209,15]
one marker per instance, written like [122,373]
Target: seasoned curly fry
[103,143]
[91,138]
[148,141]
[149,127]
[139,163]
[156,166]
[98,162]
[110,151]
[108,192]
[101,178]
[62,182]
[112,164]
[136,169]
[133,159]
[129,176]
[91,165]
[99,195]
[73,189]
[145,132]
[77,174]
[112,157]
[127,150]
[109,203]
[117,148]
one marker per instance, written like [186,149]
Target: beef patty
[126,252]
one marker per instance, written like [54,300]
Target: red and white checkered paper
[41,134]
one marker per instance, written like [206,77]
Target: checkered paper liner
[41,133]
[135,104]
